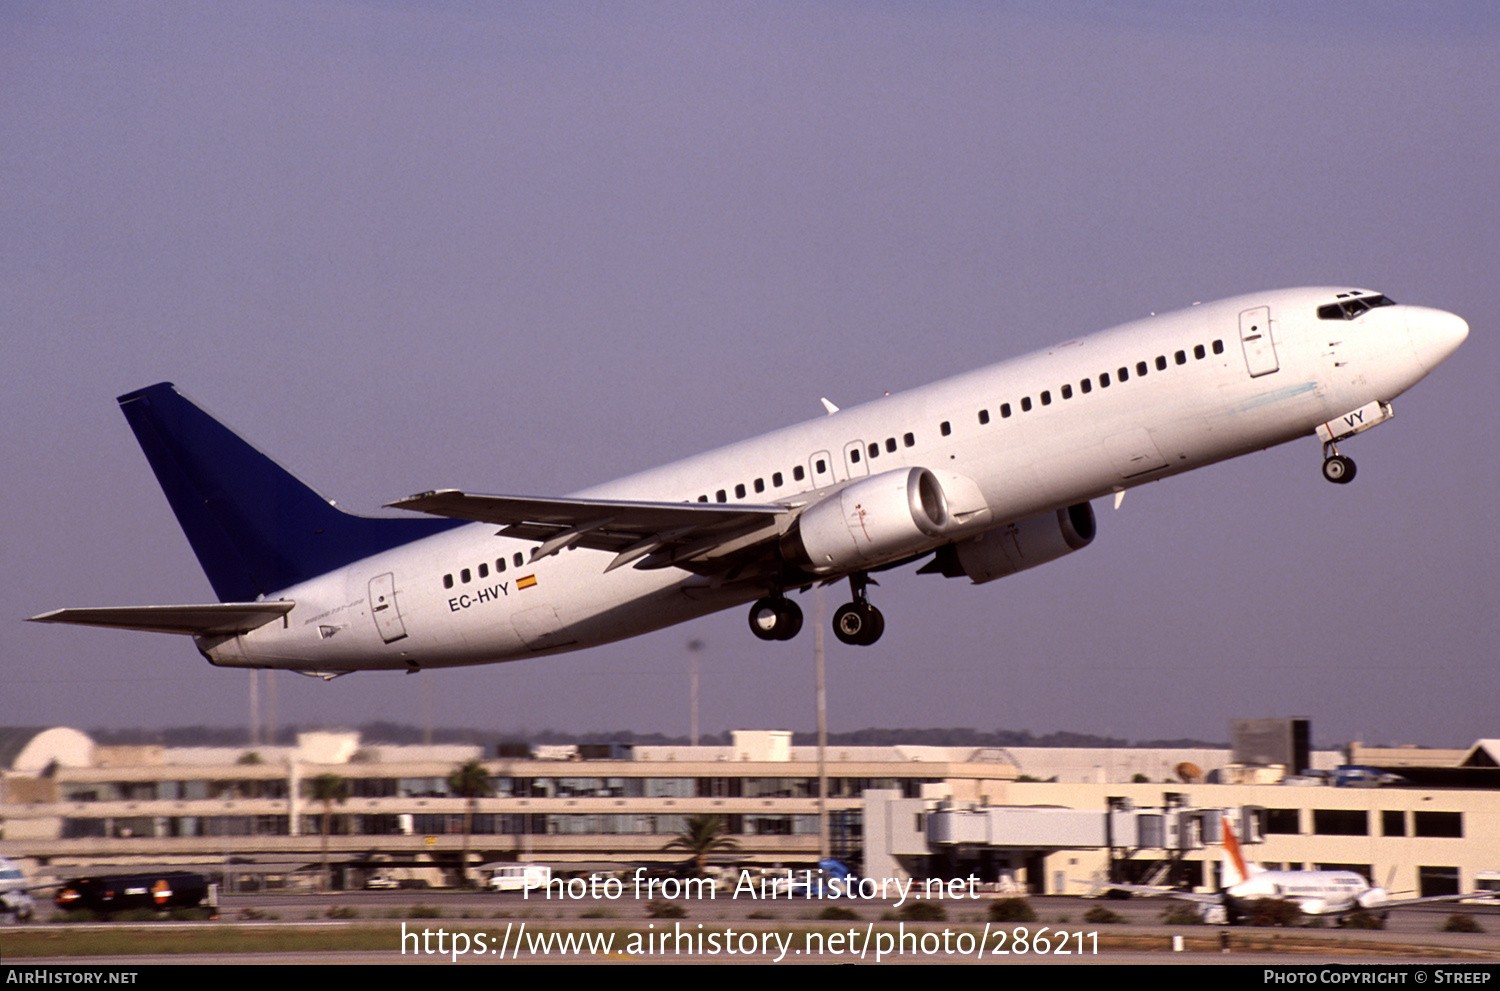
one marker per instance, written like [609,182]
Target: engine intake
[1015,547]
[874,520]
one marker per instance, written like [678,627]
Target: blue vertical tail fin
[255,528]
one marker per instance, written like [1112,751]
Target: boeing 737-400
[986,474]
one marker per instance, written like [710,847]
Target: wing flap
[666,531]
[216,619]
[618,516]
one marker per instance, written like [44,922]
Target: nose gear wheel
[1337,468]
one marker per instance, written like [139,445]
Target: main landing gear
[858,622]
[1337,468]
[775,618]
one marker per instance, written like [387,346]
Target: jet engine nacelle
[1373,898]
[872,521]
[1015,547]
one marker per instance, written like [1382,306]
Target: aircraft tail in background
[1236,870]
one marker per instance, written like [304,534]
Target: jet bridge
[1057,828]
[920,835]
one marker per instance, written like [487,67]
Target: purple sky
[525,248]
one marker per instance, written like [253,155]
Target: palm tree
[328,788]
[471,781]
[704,835]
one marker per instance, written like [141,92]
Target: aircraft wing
[219,618]
[704,537]
[1484,896]
[1151,891]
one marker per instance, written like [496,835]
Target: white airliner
[1313,892]
[987,473]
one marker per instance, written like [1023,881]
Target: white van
[518,877]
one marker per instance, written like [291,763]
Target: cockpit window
[1350,306]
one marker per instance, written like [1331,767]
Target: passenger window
[821,466]
[1104,380]
[1046,398]
[1067,392]
[798,474]
[874,450]
[890,445]
[464,576]
[776,479]
[1140,369]
[1087,385]
[1198,352]
[1025,404]
[703,498]
[1122,374]
[739,491]
[447,581]
[1161,362]
[853,456]
[1218,347]
[944,428]
[984,416]
[500,564]
[910,440]
[484,571]
[721,496]
[760,485]
[518,559]
[1004,411]
[1180,357]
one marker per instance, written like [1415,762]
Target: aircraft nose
[1435,334]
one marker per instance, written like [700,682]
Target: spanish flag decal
[526,582]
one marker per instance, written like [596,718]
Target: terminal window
[1446,824]
[1341,822]
[1282,821]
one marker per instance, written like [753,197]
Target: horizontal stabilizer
[219,619]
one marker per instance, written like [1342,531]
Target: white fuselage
[1314,892]
[1044,444]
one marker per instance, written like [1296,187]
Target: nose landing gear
[1337,468]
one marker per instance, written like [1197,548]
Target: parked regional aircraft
[1314,892]
[989,473]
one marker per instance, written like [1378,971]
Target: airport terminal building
[1056,820]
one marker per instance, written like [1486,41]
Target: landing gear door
[1255,338]
[383,608]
